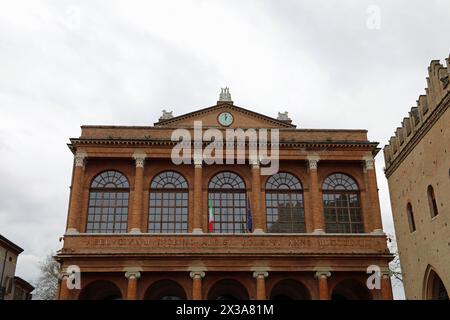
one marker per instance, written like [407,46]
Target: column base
[258,231]
[72,231]
[318,231]
[378,231]
[135,230]
[197,231]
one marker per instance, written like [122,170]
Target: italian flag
[211,216]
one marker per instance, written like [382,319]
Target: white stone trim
[198,161]
[132,275]
[197,274]
[80,158]
[369,162]
[254,163]
[257,274]
[71,231]
[139,158]
[313,160]
[322,274]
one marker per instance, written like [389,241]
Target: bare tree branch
[47,283]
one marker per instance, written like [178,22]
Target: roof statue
[166,115]
[283,116]
[225,94]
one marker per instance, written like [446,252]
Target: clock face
[225,118]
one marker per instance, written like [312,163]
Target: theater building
[418,172]
[143,227]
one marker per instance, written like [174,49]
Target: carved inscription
[220,244]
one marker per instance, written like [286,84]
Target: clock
[225,119]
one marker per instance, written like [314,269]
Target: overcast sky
[331,64]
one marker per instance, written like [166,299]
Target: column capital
[198,161]
[197,274]
[139,157]
[63,275]
[368,162]
[258,274]
[130,275]
[254,162]
[80,158]
[385,272]
[313,160]
[322,273]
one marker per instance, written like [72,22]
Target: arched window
[341,204]
[284,204]
[108,203]
[410,214]
[432,202]
[168,204]
[227,200]
[434,287]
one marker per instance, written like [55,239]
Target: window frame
[294,188]
[115,214]
[410,217]
[222,195]
[432,202]
[345,192]
[180,221]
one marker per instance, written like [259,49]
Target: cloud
[64,64]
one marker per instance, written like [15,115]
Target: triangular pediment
[242,118]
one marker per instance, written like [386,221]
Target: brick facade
[203,265]
[417,160]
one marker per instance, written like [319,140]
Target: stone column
[198,191]
[64,292]
[132,277]
[74,216]
[135,221]
[372,192]
[386,289]
[255,205]
[260,277]
[197,277]
[315,198]
[322,277]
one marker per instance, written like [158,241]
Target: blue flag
[249,217]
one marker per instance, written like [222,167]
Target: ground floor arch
[165,290]
[228,289]
[434,286]
[100,290]
[350,289]
[289,289]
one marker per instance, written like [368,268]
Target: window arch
[168,203]
[432,201]
[108,203]
[341,204]
[410,215]
[284,204]
[227,199]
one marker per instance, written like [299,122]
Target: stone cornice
[418,136]
[164,142]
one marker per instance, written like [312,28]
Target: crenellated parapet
[421,116]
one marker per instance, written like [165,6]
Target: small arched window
[168,204]
[228,202]
[410,214]
[432,202]
[108,203]
[341,204]
[284,204]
